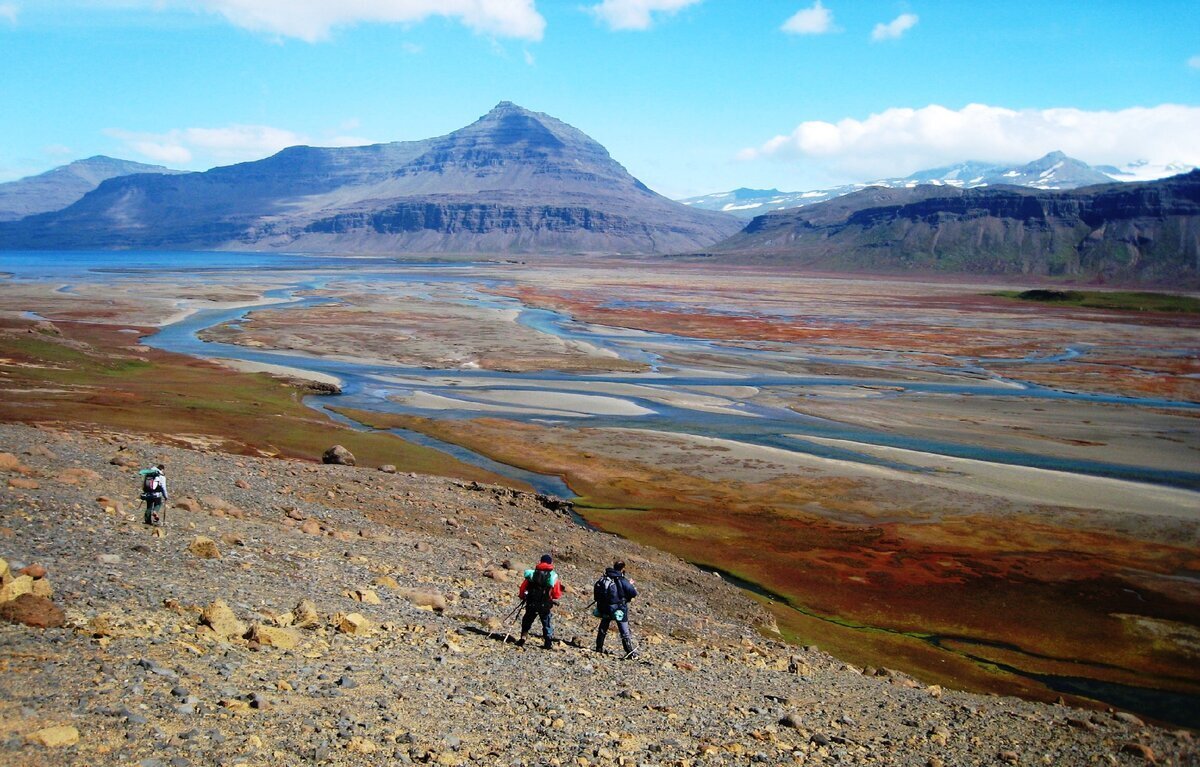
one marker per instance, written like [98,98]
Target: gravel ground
[136,676]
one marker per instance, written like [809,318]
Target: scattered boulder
[311,527]
[34,611]
[23,483]
[77,477]
[9,462]
[55,737]
[304,614]
[222,620]
[19,586]
[387,582]
[125,457]
[353,623]
[366,596]
[1140,750]
[282,638]
[205,548]
[388,468]
[339,456]
[188,504]
[427,600]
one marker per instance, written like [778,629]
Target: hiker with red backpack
[539,591]
[613,593]
[154,493]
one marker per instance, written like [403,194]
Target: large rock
[222,620]
[205,548]
[353,623]
[304,614]
[283,638]
[55,737]
[125,457]
[30,610]
[22,584]
[338,455]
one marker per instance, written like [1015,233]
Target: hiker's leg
[146,518]
[601,633]
[626,636]
[547,626]
[527,619]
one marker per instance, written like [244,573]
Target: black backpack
[605,591]
[537,593]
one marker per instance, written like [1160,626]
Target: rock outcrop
[1146,233]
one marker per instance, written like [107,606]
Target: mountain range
[57,188]
[1053,171]
[1134,233]
[514,181]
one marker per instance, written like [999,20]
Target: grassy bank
[1116,300]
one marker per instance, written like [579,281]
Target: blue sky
[692,96]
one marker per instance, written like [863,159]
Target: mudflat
[993,495]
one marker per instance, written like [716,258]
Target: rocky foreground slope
[294,613]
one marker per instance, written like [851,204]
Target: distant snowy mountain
[1054,171]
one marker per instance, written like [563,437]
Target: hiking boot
[548,645]
[521,641]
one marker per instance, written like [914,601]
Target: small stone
[388,468]
[55,737]
[1129,719]
[205,548]
[311,527]
[366,596]
[304,614]
[1009,756]
[34,571]
[109,559]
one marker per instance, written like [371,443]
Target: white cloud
[312,20]
[529,59]
[635,14]
[1194,62]
[895,28]
[9,12]
[219,146]
[899,141]
[817,20]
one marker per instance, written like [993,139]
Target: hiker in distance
[612,593]
[540,589]
[154,493]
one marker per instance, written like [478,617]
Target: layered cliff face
[513,181]
[1145,233]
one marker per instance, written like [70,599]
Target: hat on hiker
[547,559]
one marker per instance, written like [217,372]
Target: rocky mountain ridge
[1053,171]
[1140,233]
[513,181]
[59,187]
[294,613]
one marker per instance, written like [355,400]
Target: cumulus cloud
[312,20]
[817,20]
[895,28]
[9,12]
[218,146]
[635,14]
[899,141]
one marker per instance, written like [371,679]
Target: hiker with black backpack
[612,594]
[540,589]
[154,493]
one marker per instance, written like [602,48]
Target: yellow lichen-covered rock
[366,596]
[354,624]
[22,584]
[205,548]
[387,582]
[284,639]
[221,619]
[42,588]
[5,573]
[55,737]
[304,614]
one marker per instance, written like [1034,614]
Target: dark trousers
[622,627]
[154,511]
[543,612]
